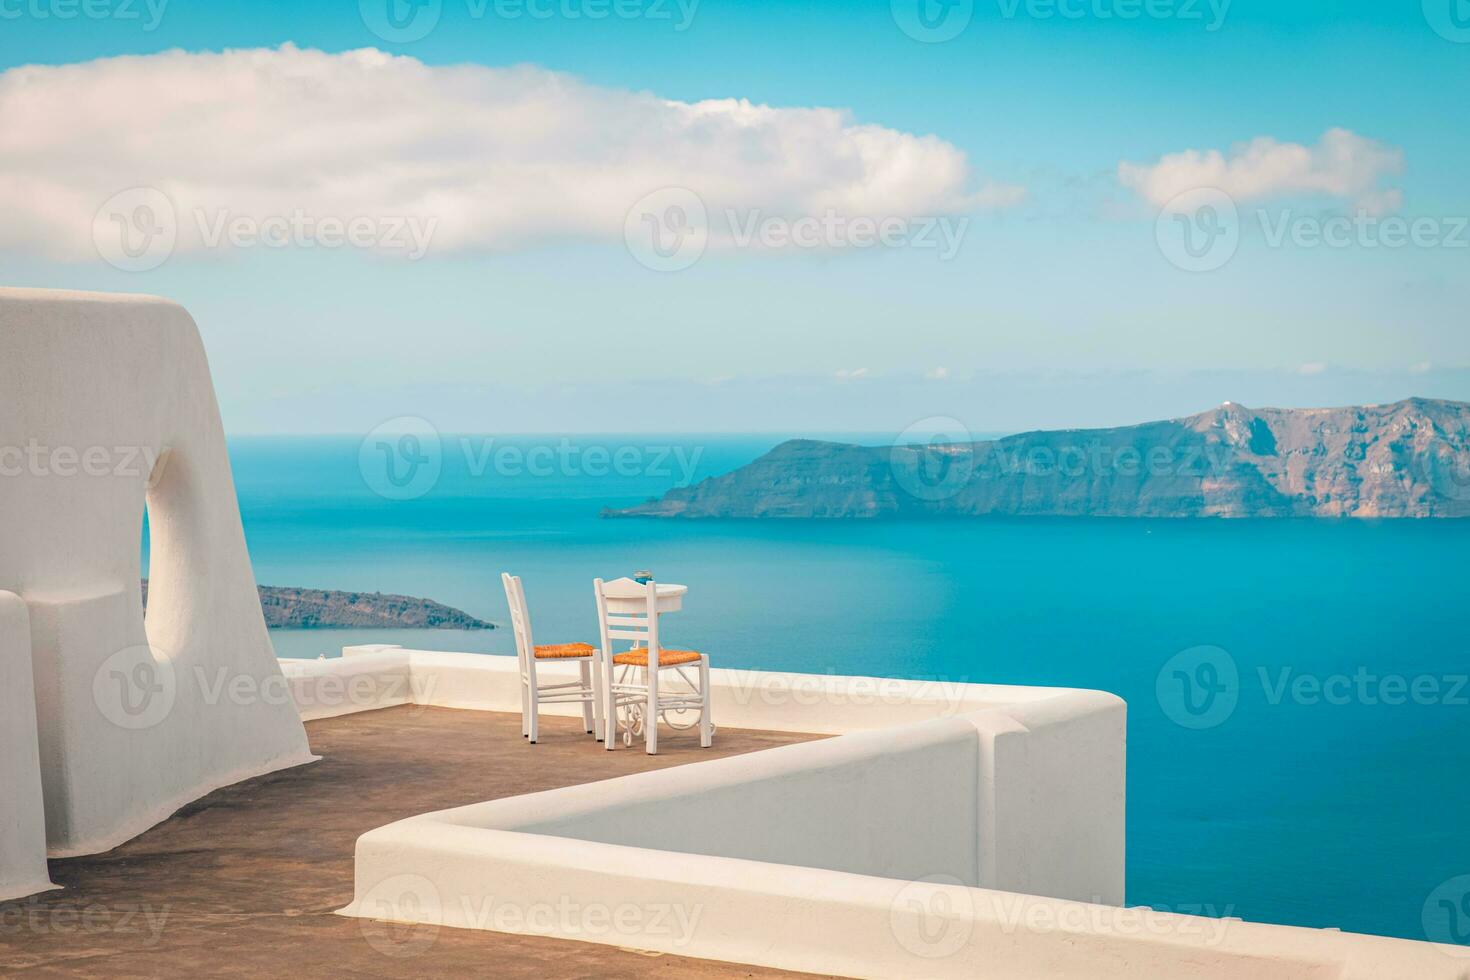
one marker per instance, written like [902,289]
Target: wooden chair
[635,679]
[528,655]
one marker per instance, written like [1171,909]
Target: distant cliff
[321,609]
[1408,459]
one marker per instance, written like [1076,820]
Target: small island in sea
[1407,459]
[326,609]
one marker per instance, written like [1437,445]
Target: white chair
[635,679]
[528,655]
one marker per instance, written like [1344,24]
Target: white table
[627,597]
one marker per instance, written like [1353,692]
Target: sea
[1298,712]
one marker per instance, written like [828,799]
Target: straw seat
[560,651]
[638,657]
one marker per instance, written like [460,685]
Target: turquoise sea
[1299,725]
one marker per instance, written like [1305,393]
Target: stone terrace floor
[243,883]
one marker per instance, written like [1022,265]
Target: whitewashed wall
[22,813]
[105,403]
[857,855]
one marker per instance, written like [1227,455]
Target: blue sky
[1060,309]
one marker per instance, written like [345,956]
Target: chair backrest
[520,617]
[632,615]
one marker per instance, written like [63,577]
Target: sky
[648,215]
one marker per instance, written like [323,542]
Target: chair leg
[596,692]
[706,734]
[650,712]
[587,706]
[525,709]
[535,698]
[609,704]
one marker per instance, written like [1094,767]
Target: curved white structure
[105,403]
[22,814]
[954,830]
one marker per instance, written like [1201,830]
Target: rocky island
[1407,459]
[326,609]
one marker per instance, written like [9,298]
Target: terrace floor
[244,882]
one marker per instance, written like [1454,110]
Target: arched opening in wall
[143,556]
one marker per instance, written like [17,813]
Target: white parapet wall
[951,830]
[106,404]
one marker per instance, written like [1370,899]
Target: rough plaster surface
[105,403]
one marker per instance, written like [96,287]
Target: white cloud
[851,374]
[503,158]
[937,374]
[1312,368]
[1342,164]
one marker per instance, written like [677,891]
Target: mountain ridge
[298,608]
[1404,459]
